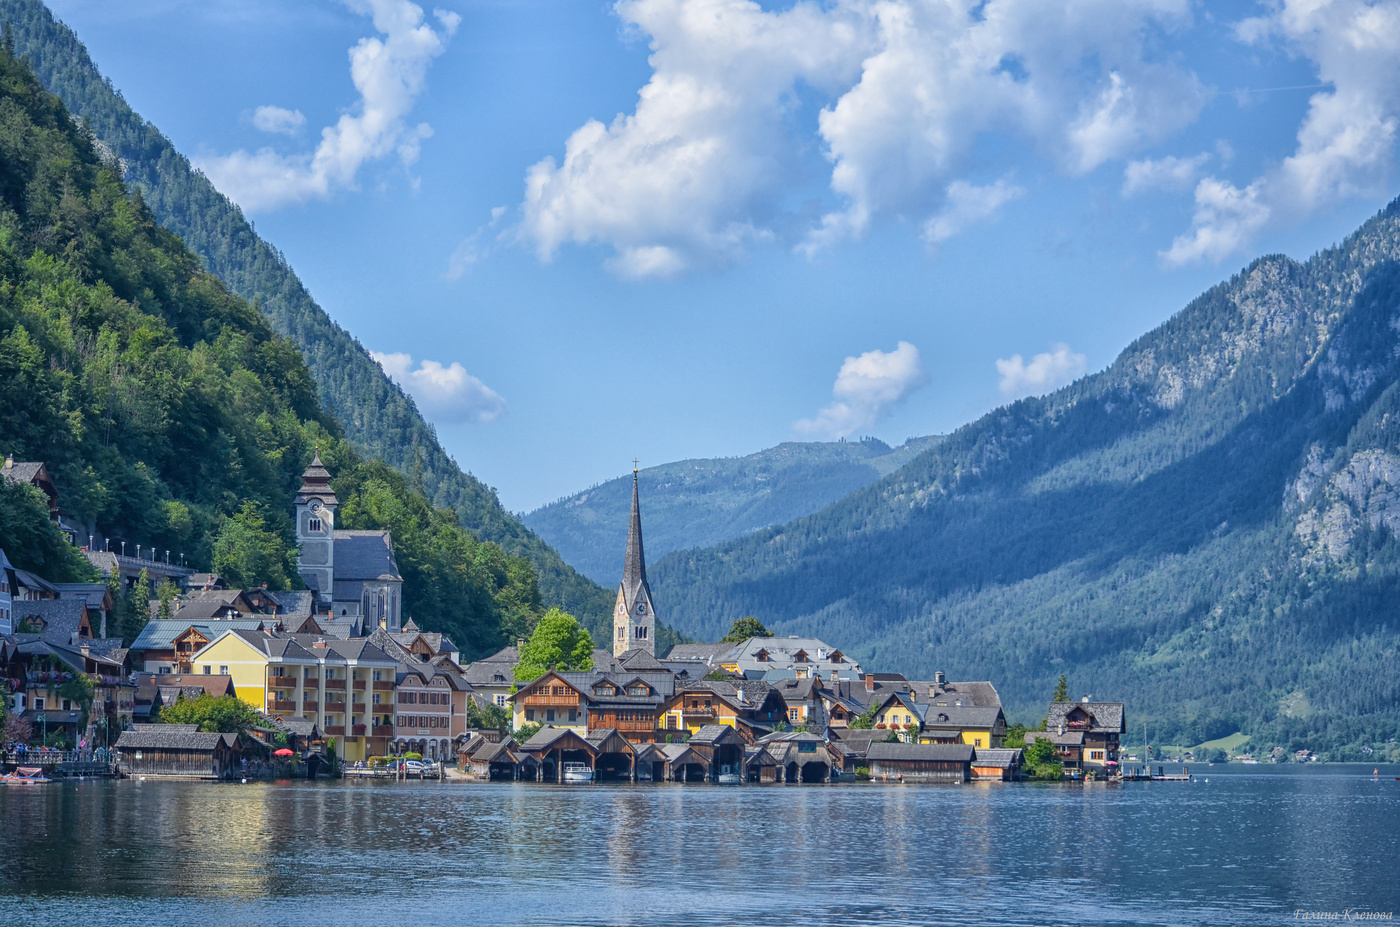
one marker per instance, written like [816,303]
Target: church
[634,618]
[353,573]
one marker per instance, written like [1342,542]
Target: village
[340,684]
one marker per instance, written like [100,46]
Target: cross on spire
[634,464]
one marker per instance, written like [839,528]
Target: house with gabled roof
[1086,734]
[749,706]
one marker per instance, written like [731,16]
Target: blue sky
[760,222]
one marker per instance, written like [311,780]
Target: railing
[384,685]
[283,705]
[336,730]
[383,730]
[335,683]
[698,712]
[534,700]
[334,706]
[358,684]
[357,729]
[282,682]
[310,706]
[635,725]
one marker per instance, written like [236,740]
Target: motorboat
[26,775]
[729,774]
[578,772]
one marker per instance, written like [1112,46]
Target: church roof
[365,555]
[316,483]
[634,568]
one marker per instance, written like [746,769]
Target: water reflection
[1247,847]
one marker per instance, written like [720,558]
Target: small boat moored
[578,772]
[729,774]
[26,775]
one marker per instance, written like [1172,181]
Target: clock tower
[634,619]
[315,512]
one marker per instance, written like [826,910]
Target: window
[621,632]
[38,703]
[671,722]
[376,699]
[641,632]
[529,714]
[573,714]
[637,690]
[977,741]
[223,669]
[793,714]
[67,704]
[549,714]
[165,671]
[500,701]
[378,676]
[207,669]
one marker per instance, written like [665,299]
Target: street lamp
[123,548]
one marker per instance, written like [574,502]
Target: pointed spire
[634,569]
[316,482]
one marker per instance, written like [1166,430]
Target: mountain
[1206,530]
[168,411]
[698,503]
[377,417]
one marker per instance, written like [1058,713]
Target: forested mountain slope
[697,503]
[377,416]
[1207,529]
[168,411]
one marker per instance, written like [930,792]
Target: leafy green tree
[166,591]
[1061,690]
[249,554]
[1015,737]
[743,629]
[487,716]
[866,719]
[557,642]
[224,714]
[1040,760]
[525,731]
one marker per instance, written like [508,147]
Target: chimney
[519,642]
[939,679]
[85,648]
[870,682]
[1085,700]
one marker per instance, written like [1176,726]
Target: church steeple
[315,529]
[634,619]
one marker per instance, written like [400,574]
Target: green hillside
[1206,529]
[698,503]
[377,417]
[168,411]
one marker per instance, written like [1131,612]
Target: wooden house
[920,762]
[1001,764]
[178,752]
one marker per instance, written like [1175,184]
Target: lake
[1252,845]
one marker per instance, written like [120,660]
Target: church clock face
[316,506]
[642,608]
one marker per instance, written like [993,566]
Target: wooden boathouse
[182,752]
[920,762]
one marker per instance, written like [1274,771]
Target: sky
[581,233]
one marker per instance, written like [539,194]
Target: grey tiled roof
[61,617]
[946,753]
[939,717]
[172,740]
[1107,716]
[1003,758]
[365,555]
[702,653]
[160,633]
[22,471]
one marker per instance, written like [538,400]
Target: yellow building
[953,724]
[345,686]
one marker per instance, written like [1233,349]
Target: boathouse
[920,762]
[182,752]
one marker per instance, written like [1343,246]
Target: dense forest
[166,408]
[1206,530]
[377,417]
[697,503]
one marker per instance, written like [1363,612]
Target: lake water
[1252,845]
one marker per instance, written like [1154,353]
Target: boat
[729,774]
[578,772]
[25,775]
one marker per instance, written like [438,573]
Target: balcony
[335,684]
[335,706]
[384,685]
[698,713]
[310,707]
[336,730]
[535,701]
[281,682]
[635,726]
[383,730]
[357,729]
[358,685]
[280,705]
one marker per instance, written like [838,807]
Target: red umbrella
[283,752]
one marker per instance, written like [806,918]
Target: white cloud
[967,204]
[278,120]
[447,395]
[867,389]
[1044,373]
[1346,142]
[699,171]
[1170,173]
[473,248]
[389,73]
